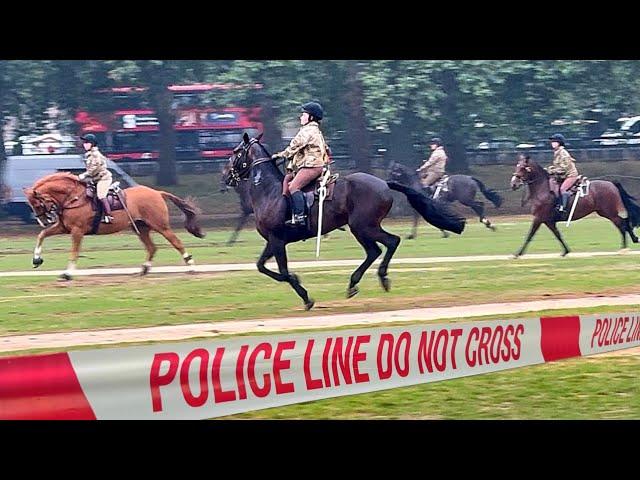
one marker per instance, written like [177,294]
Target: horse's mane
[536,166]
[55,176]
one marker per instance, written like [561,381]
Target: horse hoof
[624,251]
[309,305]
[386,283]
[445,235]
[145,270]
[65,276]
[564,254]
[353,291]
[37,261]
[410,237]
[493,229]
[515,256]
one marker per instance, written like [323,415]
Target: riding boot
[297,208]
[107,211]
[564,201]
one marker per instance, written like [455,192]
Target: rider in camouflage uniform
[308,153]
[563,171]
[97,171]
[433,169]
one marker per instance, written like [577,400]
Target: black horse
[461,188]
[359,199]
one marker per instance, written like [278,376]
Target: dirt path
[182,332]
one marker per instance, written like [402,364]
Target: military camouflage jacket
[307,148]
[96,164]
[436,163]
[563,164]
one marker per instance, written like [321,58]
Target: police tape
[212,378]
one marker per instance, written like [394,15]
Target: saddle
[441,186]
[580,187]
[115,196]
[312,191]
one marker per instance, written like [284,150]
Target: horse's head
[224,174]
[248,151]
[48,196]
[44,206]
[398,173]
[524,172]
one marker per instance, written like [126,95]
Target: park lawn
[41,304]
[125,250]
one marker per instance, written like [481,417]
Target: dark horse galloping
[607,199]
[359,199]
[461,188]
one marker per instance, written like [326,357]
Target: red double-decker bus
[129,130]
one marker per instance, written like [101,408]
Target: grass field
[597,387]
[34,304]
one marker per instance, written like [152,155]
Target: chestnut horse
[61,205]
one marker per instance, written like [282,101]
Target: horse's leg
[241,221]
[478,207]
[76,240]
[414,231]
[622,224]
[145,238]
[534,228]
[391,242]
[556,232]
[55,229]
[173,239]
[373,251]
[277,248]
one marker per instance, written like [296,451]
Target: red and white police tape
[212,378]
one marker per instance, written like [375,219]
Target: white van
[21,171]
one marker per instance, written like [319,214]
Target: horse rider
[97,171]
[433,169]
[563,171]
[308,154]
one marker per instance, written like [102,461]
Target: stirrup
[107,219]
[296,220]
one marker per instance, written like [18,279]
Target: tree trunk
[272,131]
[3,157]
[158,80]
[357,133]
[452,124]
[401,141]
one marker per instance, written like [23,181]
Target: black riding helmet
[557,137]
[90,138]
[313,108]
[436,141]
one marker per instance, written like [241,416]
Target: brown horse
[61,205]
[607,199]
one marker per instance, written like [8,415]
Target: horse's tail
[493,196]
[438,214]
[633,209]
[190,210]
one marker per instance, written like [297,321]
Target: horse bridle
[242,173]
[526,182]
[51,214]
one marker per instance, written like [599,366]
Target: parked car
[22,171]
[628,133]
